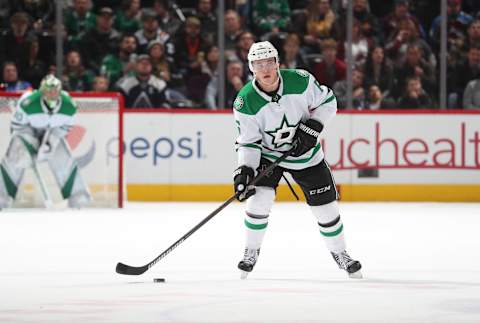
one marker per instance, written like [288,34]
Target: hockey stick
[130,270]
[47,200]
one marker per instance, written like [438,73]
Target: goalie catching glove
[242,176]
[306,137]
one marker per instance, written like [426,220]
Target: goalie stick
[47,199]
[131,270]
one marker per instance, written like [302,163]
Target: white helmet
[48,85]
[261,50]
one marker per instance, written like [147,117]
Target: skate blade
[356,275]
[243,274]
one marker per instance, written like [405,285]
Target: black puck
[159,280]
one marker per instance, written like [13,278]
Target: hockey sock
[256,226]
[330,225]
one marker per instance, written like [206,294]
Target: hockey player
[280,111]
[39,125]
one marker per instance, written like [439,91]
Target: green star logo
[283,134]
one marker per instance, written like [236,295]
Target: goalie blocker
[39,125]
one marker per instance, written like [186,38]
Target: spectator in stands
[391,23]
[5,10]
[35,68]
[100,84]
[75,76]
[359,97]
[415,96]
[473,32]
[361,45]
[100,41]
[271,16]
[244,40]
[377,100]
[415,65]
[379,71]
[78,20]
[143,90]
[471,95]
[291,57]
[208,20]
[161,66]
[458,50]
[319,25]
[127,19]
[233,85]
[115,66]
[166,21]
[458,22]
[460,75]
[10,80]
[41,12]
[151,31]
[369,23]
[198,82]
[233,28]
[190,47]
[13,41]
[330,69]
[407,34]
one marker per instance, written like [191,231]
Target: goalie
[39,125]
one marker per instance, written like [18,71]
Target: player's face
[51,95]
[266,71]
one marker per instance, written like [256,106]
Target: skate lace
[343,259]
[250,256]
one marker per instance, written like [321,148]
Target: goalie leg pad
[256,217]
[21,150]
[66,173]
[330,225]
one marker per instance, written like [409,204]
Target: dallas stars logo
[283,134]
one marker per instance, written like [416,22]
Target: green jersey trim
[31,104]
[294,81]
[68,107]
[249,101]
[296,161]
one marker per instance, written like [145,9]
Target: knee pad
[261,203]
[326,213]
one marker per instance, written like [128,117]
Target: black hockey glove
[306,137]
[241,177]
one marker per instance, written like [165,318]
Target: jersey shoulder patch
[248,101]
[295,81]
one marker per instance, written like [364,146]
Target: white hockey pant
[331,226]
[20,154]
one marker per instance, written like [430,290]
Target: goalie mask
[261,50]
[50,88]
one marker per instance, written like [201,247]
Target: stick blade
[129,270]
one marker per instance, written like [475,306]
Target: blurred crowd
[164,53]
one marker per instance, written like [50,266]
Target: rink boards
[419,156]
[394,156]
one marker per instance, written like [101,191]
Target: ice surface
[421,264]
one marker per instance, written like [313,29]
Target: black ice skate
[345,262]
[248,262]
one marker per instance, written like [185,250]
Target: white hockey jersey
[267,124]
[31,113]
